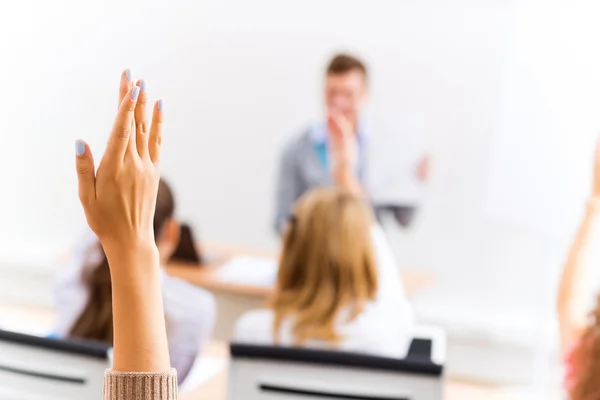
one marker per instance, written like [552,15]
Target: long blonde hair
[327,265]
[585,360]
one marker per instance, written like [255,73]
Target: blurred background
[503,96]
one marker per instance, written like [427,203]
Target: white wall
[238,78]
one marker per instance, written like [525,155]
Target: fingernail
[142,85]
[159,105]
[135,93]
[128,74]
[79,147]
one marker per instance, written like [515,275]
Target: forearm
[348,181]
[288,190]
[572,298]
[140,340]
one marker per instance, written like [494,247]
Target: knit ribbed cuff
[140,385]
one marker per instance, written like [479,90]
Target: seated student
[338,285]
[84,295]
[580,327]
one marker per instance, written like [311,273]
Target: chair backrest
[285,373]
[33,367]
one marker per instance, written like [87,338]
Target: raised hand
[423,168]
[119,200]
[596,182]
[343,144]
[343,147]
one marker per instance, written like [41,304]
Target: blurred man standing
[308,160]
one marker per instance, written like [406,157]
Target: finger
[331,121]
[131,142]
[125,87]
[343,123]
[334,128]
[119,137]
[155,139]
[337,119]
[86,173]
[141,121]
[343,127]
[126,84]
[131,146]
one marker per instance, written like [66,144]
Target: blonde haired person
[119,200]
[338,285]
[578,315]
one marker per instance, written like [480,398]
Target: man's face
[346,93]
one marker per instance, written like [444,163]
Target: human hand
[423,168]
[596,172]
[343,145]
[119,199]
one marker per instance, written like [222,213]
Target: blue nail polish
[79,147]
[128,74]
[142,85]
[135,93]
[159,105]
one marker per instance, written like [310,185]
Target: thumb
[334,128]
[597,152]
[86,176]
[333,119]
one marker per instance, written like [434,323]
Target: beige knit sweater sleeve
[140,385]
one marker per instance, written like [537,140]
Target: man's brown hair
[344,63]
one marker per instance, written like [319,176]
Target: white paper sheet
[249,271]
[21,325]
[395,150]
[203,369]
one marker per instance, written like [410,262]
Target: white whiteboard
[542,151]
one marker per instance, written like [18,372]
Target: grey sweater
[300,170]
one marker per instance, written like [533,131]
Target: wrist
[594,201]
[593,205]
[342,176]
[128,245]
[131,261]
[349,182]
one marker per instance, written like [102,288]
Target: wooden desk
[216,387]
[235,299]
[207,277]
[32,320]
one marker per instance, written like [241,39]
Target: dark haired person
[307,160]
[83,293]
